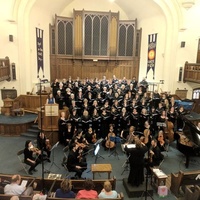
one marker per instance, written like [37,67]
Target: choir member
[62,127]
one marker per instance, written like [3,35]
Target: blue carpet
[28,117]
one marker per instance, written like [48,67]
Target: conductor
[136,159]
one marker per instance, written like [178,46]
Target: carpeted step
[31,130]
[29,135]
[34,126]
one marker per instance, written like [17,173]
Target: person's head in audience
[16,179]
[66,185]
[39,197]
[88,185]
[107,186]
[14,198]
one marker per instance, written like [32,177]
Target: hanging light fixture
[187,4]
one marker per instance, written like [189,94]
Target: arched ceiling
[134,9]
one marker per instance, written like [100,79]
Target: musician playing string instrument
[110,144]
[90,136]
[29,159]
[128,135]
[155,154]
[162,143]
[74,164]
[147,134]
[44,144]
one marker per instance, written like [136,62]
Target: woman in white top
[107,192]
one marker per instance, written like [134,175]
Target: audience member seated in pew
[65,190]
[39,197]
[107,192]
[87,192]
[16,188]
[14,198]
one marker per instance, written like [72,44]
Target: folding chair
[20,155]
[65,152]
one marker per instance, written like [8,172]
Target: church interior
[139,61]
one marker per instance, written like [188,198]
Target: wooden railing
[4,69]
[192,72]
[183,179]
[52,184]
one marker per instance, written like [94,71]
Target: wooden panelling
[32,102]
[14,129]
[192,72]
[88,68]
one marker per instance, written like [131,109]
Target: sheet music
[129,146]
[24,183]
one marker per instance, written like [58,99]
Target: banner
[152,39]
[39,47]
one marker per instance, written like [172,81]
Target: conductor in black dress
[136,159]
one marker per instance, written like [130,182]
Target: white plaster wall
[93,5]
[190,35]
[8,48]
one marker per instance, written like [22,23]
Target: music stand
[97,149]
[126,165]
[53,163]
[115,140]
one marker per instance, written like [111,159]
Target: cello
[169,131]
[110,144]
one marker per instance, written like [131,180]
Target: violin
[34,149]
[48,144]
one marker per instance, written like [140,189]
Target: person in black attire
[59,99]
[43,145]
[28,156]
[181,112]
[62,127]
[134,82]
[73,164]
[137,163]
[155,154]
[105,121]
[75,119]
[68,134]
[55,86]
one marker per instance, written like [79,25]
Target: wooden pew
[119,198]
[51,185]
[7,197]
[183,179]
[192,192]
[78,184]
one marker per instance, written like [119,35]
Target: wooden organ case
[71,54]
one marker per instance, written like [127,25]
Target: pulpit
[6,109]
[48,117]
[48,120]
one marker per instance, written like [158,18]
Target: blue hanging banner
[152,39]
[39,47]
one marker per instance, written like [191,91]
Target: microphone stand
[41,118]
[146,192]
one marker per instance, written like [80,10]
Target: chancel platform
[15,125]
